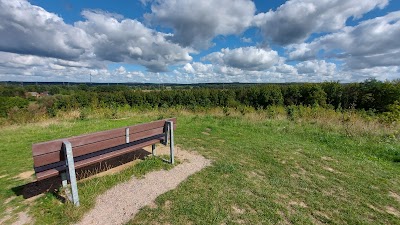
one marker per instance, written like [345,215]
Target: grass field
[264,171]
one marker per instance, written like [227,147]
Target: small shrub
[84,114]
[393,115]
[226,112]
[3,121]
[245,109]
[292,112]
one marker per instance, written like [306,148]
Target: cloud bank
[188,41]
[296,20]
[196,23]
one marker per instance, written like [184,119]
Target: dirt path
[120,204]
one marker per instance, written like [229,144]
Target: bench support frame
[153,149]
[168,134]
[171,140]
[70,174]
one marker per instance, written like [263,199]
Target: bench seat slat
[54,157]
[113,154]
[55,145]
[95,147]
[149,126]
[86,162]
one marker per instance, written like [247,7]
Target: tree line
[370,95]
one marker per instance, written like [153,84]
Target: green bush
[292,112]
[393,115]
[8,103]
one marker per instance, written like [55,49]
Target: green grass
[16,157]
[48,209]
[263,172]
[281,172]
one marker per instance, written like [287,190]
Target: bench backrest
[49,159]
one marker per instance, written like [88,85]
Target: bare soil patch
[25,175]
[238,210]
[374,208]
[8,200]
[393,211]
[7,216]
[327,168]
[395,196]
[301,204]
[121,203]
[23,218]
[327,158]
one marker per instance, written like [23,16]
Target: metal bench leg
[71,171]
[127,135]
[171,140]
[64,179]
[153,149]
[166,127]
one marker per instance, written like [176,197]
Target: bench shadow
[52,185]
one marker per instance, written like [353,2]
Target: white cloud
[130,41]
[319,68]
[102,36]
[37,45]
[380,73]
[28,29]
[205,73]
[296,20]
[36,68]
[196,22]
[372,43]
[246,40]
[246,58]
[285,69]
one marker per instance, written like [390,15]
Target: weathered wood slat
[148,133]
[149,126]
[86,162]
[55,145]
[88,149]
[47,174]
[89,161]
[57,156]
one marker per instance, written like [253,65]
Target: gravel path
[121,203]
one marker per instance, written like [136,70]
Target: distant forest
[372,96]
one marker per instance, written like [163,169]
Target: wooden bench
[61,157]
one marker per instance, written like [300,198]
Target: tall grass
[351,121]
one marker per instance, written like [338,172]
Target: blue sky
[191,41]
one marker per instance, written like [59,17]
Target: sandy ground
[121,203]
[23,218]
